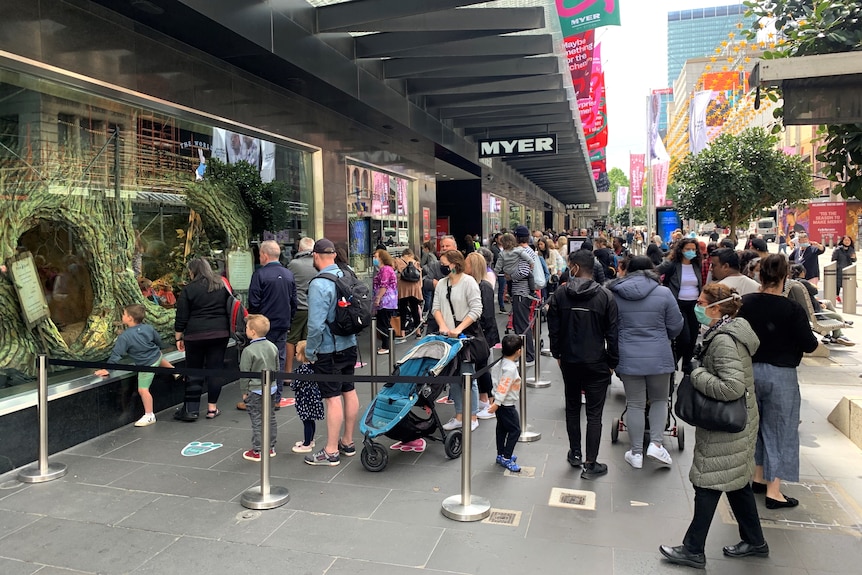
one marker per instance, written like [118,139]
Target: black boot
[182,415]
[682,556]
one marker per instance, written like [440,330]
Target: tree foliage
[738,176]
[809,27]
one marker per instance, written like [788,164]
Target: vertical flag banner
[656,146]
[579,54]
[697,139]
[577,16]
[622,197]
[636,178]
[659,178]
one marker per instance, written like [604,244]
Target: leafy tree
[621,216]
[809,27]
[738,176]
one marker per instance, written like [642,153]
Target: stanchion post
[265,496]
[536,381]
[466,506]
[526,434]
[373,355]
[391,351]
[830,281]
[848,287]
[42,471]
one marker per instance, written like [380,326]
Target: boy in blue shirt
[259,355]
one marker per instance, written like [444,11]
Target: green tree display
[809,27]
[738,176]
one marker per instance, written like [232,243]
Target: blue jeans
[456,395]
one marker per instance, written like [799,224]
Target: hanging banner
[636,178]
[659,178]
[697,135]
[579,55]
[597,137]
[579,15]
[656,146]
[622,197]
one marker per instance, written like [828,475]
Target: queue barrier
[830,281]
[848,285]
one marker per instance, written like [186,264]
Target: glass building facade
[696,33]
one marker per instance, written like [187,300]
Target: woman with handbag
[457,308]
[409,292]
[783,328]
[723,461]
[476,266]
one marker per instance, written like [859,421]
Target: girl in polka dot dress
[309,405]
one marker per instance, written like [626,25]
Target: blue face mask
[689,254]
[375,262]
[804,246]
[700,313]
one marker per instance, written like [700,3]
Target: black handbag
[703,411]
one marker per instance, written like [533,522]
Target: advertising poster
[667,220]
[579,54]
[579,15]
[426,224]
[401,187]
[636,179]
[826,221]
[379,194]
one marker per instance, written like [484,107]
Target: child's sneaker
[502,460]
[147,419]
[346,450]
[511,465]
[254,454]
[300,447]
[323,458]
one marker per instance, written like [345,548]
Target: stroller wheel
[680,437]
[615,430]
[452,445]
[374,457]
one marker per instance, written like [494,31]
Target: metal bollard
[848,289]
[391,351]
[526,435]
[536,381]
[466,506]
[265,496]
[42,471]
[830,281]
[373,359]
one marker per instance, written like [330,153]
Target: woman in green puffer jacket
[723,462]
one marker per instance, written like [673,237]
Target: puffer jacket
[725,461]
[649,319]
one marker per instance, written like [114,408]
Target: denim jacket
[321,309]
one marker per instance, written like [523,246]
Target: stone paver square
[188,481]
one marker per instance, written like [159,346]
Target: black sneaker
[574,459]
[346,450]
[594,470]
[323,458]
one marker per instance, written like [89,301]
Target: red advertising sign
[579,53]
[826,219]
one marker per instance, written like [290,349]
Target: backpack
[539,278]
[410,274]
[236,320]
[353,304]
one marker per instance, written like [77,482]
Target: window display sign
[401,187]
[380,195]
[426,224]
[28,286]
[240,267]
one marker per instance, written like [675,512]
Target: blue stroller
[392,414]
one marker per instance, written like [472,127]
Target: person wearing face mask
[682,274]
[845,255]
[785,334]
[722,461]
[806,253]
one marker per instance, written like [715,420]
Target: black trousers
[744,509]
[409,307]
[384,317]
[508,430]
[207,354]
[521,323]
[593,379]
[685,342]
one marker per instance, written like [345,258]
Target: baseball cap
[522,232]
[324,246]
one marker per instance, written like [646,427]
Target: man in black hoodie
[582,325]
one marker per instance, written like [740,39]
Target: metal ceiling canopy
[465,66]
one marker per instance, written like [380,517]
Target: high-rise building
[696,33]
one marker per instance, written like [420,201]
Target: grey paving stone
[191,482]
[13,567]
[344,566]
[660,502]
[86,547]
[102,445]
[826,551]
[190,555]
[97,470]
[337,499]
[494,553]
[408,544]
[13,520]
[401,476]
[208,519]
[169,453]
[79,502]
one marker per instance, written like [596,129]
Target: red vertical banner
[426,224]
[579,53]
[636,179]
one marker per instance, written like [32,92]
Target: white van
[767,228]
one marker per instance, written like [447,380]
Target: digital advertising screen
[667,220]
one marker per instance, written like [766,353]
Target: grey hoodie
[649,319]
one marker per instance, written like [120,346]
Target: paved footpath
[131,503]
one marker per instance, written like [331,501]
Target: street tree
[806,28]
[620,216]
[738,176]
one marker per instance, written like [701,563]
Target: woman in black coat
[201,327]
[682,274]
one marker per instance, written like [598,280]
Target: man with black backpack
[336,313]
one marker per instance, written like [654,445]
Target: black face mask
[444,269]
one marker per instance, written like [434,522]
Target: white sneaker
[485,414]
[658,453]
[474,423]
[452,424]
[147,419]
[484,405]
[636,460]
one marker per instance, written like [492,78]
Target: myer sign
[523,146]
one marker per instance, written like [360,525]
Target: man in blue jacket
[272,293]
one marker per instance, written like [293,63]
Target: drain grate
[572,499]
[526,473]
[505,517]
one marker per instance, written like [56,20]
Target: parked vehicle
[768,228]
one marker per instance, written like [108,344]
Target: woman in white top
[681,272]
[457,307]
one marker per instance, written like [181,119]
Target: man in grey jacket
[302,266]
